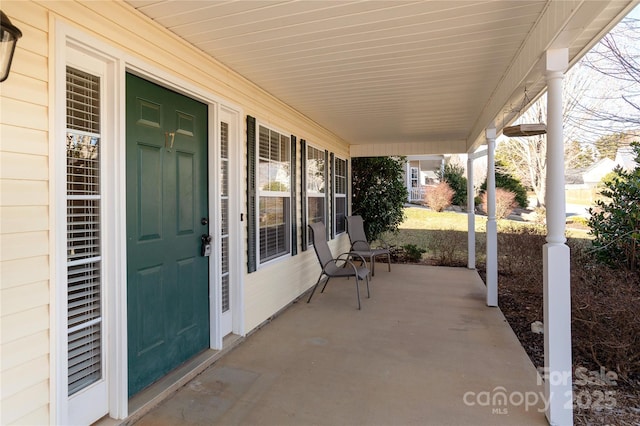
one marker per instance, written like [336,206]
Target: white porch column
[492,228]
[557,289]
[471,216]
[408,180]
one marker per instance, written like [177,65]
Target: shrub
[449,248]
[379,193]
[520,248]
[615,222]
[454,176]
[413,252]
[510,183]
[408,253]
[439,197]
[605,313]
[505,202]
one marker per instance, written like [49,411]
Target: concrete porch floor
[424,350]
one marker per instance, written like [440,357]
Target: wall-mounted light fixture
[9,35]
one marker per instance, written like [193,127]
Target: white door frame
[119,62]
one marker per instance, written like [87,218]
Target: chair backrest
[357,237]
[321,247]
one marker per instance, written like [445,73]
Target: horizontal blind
[274,184]
[224,212]
[84,261]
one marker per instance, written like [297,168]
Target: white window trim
[72,54]
[261,193]
[67,39]
[337,194]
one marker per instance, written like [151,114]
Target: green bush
[454,176]
[379,193]
[413,253]
[615,222]
[511,184]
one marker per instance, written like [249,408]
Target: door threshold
[147,399]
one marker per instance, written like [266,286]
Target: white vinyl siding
[84,284]
[274,196]
[25,283]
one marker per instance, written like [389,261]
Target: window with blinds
[84,261]
[273,181]
[224,211]
[315,186]
[340,195]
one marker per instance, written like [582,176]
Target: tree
[615,223]
[525,158]
[579,156]
[615,62]
[454,175]
[379,193]
[607,146]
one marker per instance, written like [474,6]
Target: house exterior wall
[27,231]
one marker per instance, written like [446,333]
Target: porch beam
[471,216]
[556,257]
[492,227]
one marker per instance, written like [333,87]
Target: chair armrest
[345,263]
[350,255]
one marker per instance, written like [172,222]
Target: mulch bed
[598,400]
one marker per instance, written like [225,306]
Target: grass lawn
[444,235]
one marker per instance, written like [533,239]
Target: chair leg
[358,291]
[368,292]
[389,261]
[372,260]
[314,288]
[325,284]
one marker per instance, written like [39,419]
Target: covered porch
[424,349]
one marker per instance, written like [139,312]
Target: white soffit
[389,72]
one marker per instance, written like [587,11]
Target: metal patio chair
[342,266]
[360,245]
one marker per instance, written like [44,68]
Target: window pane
[316,211]
[341,176]
[341,210]
[315,170]
[274,227]
[274,163]
[84,263]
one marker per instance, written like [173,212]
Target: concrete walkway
[424,350]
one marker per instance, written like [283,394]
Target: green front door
[167,278]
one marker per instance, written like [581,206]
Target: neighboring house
[582,185]
[154,202]
[422,171]
[593,175]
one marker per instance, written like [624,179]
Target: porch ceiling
[392,76]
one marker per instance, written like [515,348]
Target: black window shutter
[332,188]
[251,194]
[294,206]
[328,189]
[303,194]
